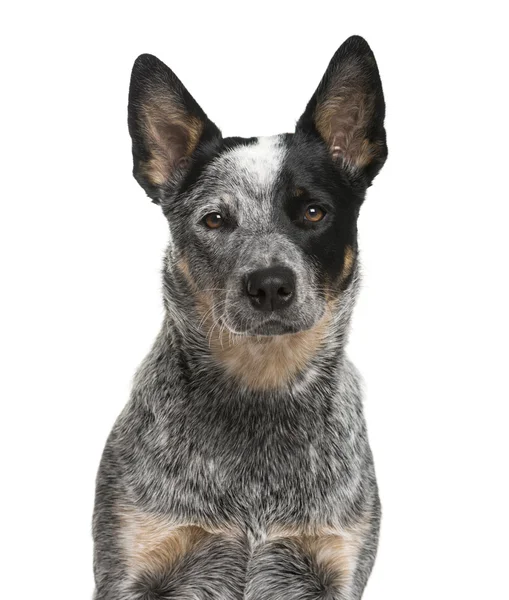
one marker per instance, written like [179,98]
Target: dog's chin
[270,327]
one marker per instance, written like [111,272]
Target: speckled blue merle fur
[240,467]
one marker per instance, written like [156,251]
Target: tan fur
[152,542]
[342,124]
[342,120]
[203,300]
[155,170]
[171,135]
[334,550]
[183,267]
[348,263]
[265,363]
[337,555]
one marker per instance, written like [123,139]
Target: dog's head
[263,229]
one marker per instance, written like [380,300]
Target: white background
[81,250]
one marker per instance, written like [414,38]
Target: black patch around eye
[314,214]
[301,208]
[309,179]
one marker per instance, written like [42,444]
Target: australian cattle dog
[240,467]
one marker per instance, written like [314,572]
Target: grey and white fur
[240,467]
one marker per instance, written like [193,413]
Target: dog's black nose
[272,288]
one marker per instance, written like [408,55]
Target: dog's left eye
[213,220]
[314,214]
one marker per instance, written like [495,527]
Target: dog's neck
[258,363]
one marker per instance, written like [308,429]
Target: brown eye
[314,214]
[213,220]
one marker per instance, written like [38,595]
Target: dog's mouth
[271,326]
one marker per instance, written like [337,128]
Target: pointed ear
[166,125]
[347,111]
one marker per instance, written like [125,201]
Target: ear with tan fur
[166,125]
[347,111]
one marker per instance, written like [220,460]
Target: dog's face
[263,229]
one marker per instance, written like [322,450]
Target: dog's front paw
[285,569]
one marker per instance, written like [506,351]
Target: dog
[240,467]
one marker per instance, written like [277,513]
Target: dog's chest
[254,467]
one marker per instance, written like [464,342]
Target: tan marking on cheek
[272,362]
[183,267]
[334,288]
[348,263]
[203,300]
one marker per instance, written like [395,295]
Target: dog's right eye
[213,220]
[314,214]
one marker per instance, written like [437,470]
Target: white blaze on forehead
[260,161]
[245,177]
[252,166]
